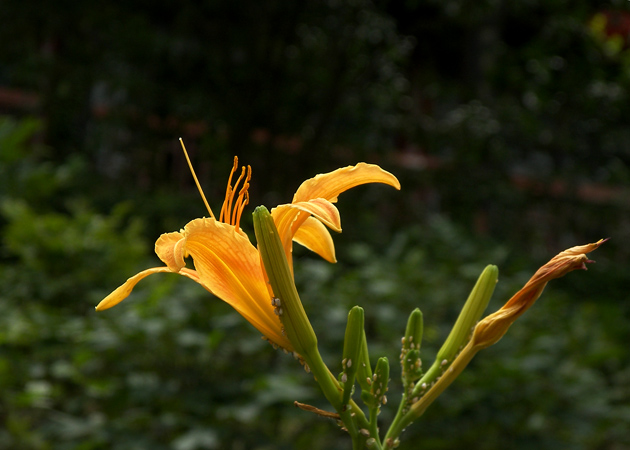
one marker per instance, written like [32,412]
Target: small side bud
[411,367]
[380,380]
[470,314]
[413,333]
[364,371]
[352,347]
[462,330]
[410,352]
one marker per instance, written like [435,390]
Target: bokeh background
[506,122]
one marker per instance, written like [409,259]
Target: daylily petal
[289,218]
[123,291]
[316,237]
[168,247]
[320,208]
[330,185]
[284,216]
[228,265]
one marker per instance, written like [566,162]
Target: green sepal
[293,317]
[352,347]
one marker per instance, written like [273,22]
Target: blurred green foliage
[173,368]
[505,122]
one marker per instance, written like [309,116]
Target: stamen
[225,212]
[229,216]
[195,178]
[232,208]
[243,198]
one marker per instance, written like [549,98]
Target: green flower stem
[460,333]
[333,392]
[418,408]
[444,369]
[298,327]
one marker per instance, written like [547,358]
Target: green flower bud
[462,330]
[411,367]
[364,371]
[294,319]
[470,314]
[410,352]
[413,333]
[352,348]
[380,380]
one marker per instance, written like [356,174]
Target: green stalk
[449,361]
[296,324]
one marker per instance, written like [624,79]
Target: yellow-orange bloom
[229,266]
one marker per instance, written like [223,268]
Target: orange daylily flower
[229,266]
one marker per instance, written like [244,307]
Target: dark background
[506,123]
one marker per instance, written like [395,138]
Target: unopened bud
[410,351]
[380,379]
[470,314]
[364,371]
[411,367]
[413,333]
[352,347]
[462,330]
[293,317]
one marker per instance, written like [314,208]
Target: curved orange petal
[320,208]
[316,237]
[330,185]
[168,249]
[290,217]
[123,291]
[284,215]
[228,266]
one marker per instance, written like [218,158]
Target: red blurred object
[617,24]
